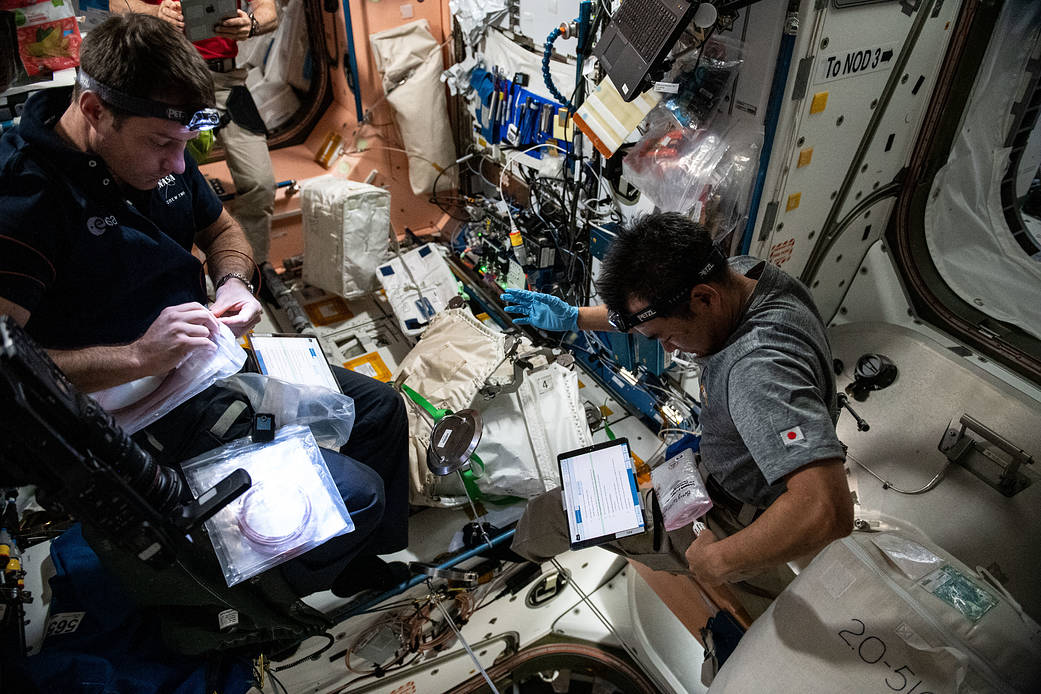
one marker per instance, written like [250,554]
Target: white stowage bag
[523,431]
[346,234]
[853,621]
[286,61]
[410,62]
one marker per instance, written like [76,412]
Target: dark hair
[147,58]
[655,259]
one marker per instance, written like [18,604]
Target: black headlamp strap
[137,105]
[625,323]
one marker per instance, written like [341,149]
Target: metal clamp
[999,471]
[468,578]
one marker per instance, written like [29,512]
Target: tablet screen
[293,358]
[600,495]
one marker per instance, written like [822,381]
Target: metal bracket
[994,459]
[521,363]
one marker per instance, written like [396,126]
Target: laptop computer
[640,34]
[600,497]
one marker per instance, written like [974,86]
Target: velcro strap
[224,422]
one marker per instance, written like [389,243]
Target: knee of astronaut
[360,487]
[388,407]
[366,509]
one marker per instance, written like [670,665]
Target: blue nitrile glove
[543,311]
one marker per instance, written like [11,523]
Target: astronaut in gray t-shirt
[768,391]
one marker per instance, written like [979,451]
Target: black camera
[84,465]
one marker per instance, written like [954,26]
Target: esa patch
[791,436]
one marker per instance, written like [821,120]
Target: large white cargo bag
[346,234]
[523,430]
[853,621]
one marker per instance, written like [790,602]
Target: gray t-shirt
[768,396]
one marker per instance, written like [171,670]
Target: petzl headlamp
[625,322]
[194,118]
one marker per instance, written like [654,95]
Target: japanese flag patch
[792,436]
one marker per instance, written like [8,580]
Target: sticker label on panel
[857,62]
[782,252]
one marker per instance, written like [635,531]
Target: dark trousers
[372,476]
[370,470]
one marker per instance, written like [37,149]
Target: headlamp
[194,118]
[625,322]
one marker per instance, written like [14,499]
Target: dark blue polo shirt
[92,262]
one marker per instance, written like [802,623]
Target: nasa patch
[792,436]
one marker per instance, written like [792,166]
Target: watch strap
[235,276]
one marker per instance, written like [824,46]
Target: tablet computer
[293,358]
[202,16]
[600,496]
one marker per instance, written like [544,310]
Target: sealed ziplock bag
[291,506]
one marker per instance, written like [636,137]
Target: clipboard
[291,357]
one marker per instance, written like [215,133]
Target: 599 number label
[64,623]
[872,650]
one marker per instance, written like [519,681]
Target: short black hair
[654,260]
[147,58]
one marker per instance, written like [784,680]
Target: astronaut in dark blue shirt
[100,207]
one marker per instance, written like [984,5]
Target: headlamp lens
[203,119]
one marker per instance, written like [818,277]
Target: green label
[960,592]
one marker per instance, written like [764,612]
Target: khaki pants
[542,533]
[250,166]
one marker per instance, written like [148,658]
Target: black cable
[310,656]
[271,674]
[433,190]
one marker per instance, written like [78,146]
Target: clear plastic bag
[672,164]
[703,172]
[329,414]
[202,368]
[681,492]
[292,505]
[704,77]
[722,205]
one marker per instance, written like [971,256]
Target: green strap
[607,430]
[470,477]
[436,413]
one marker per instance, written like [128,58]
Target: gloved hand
[542,311]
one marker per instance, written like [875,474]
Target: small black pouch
[244,111]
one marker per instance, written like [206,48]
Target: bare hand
[173,335]
[702,559]
[235,28]
[170,11]
[236,307]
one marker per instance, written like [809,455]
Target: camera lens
[157,484]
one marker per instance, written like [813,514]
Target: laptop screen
[601,500]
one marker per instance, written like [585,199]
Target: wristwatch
[234,276]
[254,25]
